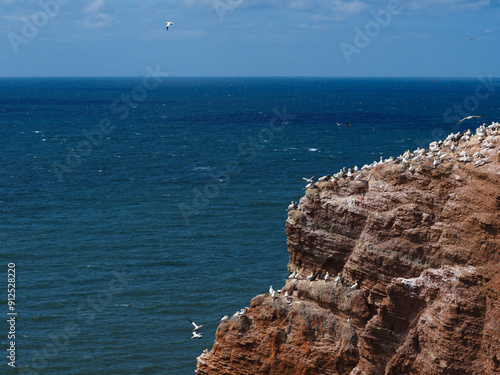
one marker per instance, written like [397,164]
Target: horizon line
[257,76]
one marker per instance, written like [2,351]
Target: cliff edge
[395,269]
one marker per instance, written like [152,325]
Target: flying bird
[168,24]
[468,118]
[196,335]
[196,326]
[310,180]
[348,125]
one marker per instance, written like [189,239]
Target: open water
[130,206]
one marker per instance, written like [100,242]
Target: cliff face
[420,234]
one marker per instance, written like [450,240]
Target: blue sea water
[129,209]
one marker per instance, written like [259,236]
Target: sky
[330,38]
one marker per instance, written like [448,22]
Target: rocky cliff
[411,248]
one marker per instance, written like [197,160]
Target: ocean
[130,205]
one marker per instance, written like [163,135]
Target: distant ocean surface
[129,205]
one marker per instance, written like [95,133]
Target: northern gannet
[196,326]
[468,118]
[167,24]
[196,335]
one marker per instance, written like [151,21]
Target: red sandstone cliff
[421,234]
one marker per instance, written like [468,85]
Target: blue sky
[430,38]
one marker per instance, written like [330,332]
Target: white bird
[286,294]
[271,290]
[468,118]
[292,275]
[327,276]
[308,179]
[167,24]
[225,318]
[355,285]
[196,335]
[337,279]
[196,326]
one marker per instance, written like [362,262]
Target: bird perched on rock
[312,276]
[355,285]
[272,292]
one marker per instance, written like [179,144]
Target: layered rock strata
[411,248]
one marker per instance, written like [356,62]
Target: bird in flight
[468,118]
[197,335]
[168,24]
[196,326]
[310,180]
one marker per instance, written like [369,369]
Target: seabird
[468,118]
[224,318]
[337,279]
[310,180]
[313,276]
[196,326]
[167,24]
[291,206]
[292,275]
[196,335]
[327,276]
[348,125]
[355,285]
[271,290]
